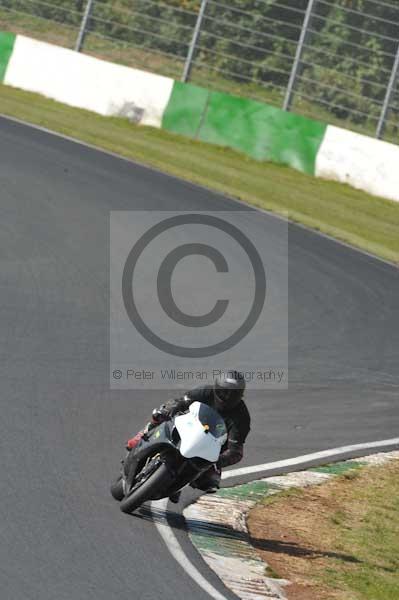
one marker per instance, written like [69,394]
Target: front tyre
[157,481]
[117,489]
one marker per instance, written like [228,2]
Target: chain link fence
[333,60]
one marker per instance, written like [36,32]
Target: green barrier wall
[185,109]
[6,46]
[259,130]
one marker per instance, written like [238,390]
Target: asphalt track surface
[62,536]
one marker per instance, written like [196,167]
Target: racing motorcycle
[170,456]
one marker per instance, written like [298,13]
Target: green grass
[362,220]
[371,534]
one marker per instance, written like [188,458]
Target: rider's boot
[134,441]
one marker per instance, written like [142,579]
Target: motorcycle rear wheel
[161,478]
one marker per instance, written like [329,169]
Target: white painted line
[178,554]
[305,458]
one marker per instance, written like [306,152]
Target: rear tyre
[157,481]
[117,489]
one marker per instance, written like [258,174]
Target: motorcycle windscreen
[202,432]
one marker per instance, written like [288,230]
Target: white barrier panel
[363,162]
[86,82]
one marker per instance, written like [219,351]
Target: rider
[226,396]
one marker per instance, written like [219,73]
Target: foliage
[61,11]
[350,58]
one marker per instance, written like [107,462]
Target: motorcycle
[170,456]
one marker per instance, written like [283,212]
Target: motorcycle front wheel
[152,487]
[117,489]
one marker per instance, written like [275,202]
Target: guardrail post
[388,97]
[298,55]
[83,26]
[193,43]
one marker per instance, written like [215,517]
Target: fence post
[298,55]
[388,97]
[83,26]
[193,43]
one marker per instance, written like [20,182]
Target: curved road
[62,536]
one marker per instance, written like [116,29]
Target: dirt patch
[317,537]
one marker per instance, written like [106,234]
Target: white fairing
[195,440]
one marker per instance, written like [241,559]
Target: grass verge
[337,541]
[365,221]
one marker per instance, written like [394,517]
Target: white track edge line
[166,532]
[298,460]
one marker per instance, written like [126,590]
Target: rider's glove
[232,455]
